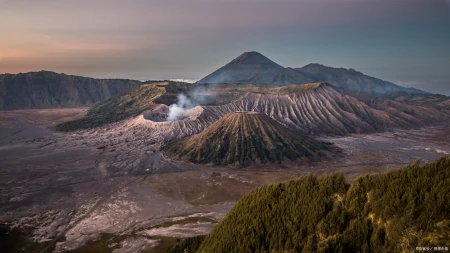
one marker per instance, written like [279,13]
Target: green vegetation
[118,108]
[164,244]
[187,245]
[106,243]
[188,220]
[16,240]
[391,212]
[110,242]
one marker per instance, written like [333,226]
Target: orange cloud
[13,53]
[94,47]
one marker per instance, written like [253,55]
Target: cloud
[13,53]
[8,54]
[185,80]
[95,47]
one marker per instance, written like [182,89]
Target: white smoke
[185,80]
[176,110]
[197,96]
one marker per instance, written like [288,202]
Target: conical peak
[253,58]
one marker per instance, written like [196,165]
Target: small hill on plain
[245,138]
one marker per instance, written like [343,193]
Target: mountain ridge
[315,109]
[254,68]
[354,80]
[47,89]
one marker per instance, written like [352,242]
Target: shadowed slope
[45,89]
[437,101]
[244,138]
[118,108]
[353,80]
[284,76]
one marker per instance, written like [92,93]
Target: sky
[403,41]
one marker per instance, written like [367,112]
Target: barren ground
[112,186]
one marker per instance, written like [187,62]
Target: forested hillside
[391,212]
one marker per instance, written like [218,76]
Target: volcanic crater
[162,112]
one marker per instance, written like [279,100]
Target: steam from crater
[195,97]
[176,110]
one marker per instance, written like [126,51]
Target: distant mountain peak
[254,68]
[243,70]
[253,57]
[314,65]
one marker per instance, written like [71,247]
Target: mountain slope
[353,80]
[118,108]
[145,97]
[46,89]
[313,109]
[254,68]
[244,138]
[323,109]
[284,76]
[391,212]
[440,102]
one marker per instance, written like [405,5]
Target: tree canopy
[389,212]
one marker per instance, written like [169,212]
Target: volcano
[245,138]
[255,68]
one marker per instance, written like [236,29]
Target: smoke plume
[176,110]
[201,95]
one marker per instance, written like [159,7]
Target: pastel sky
[403,41]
